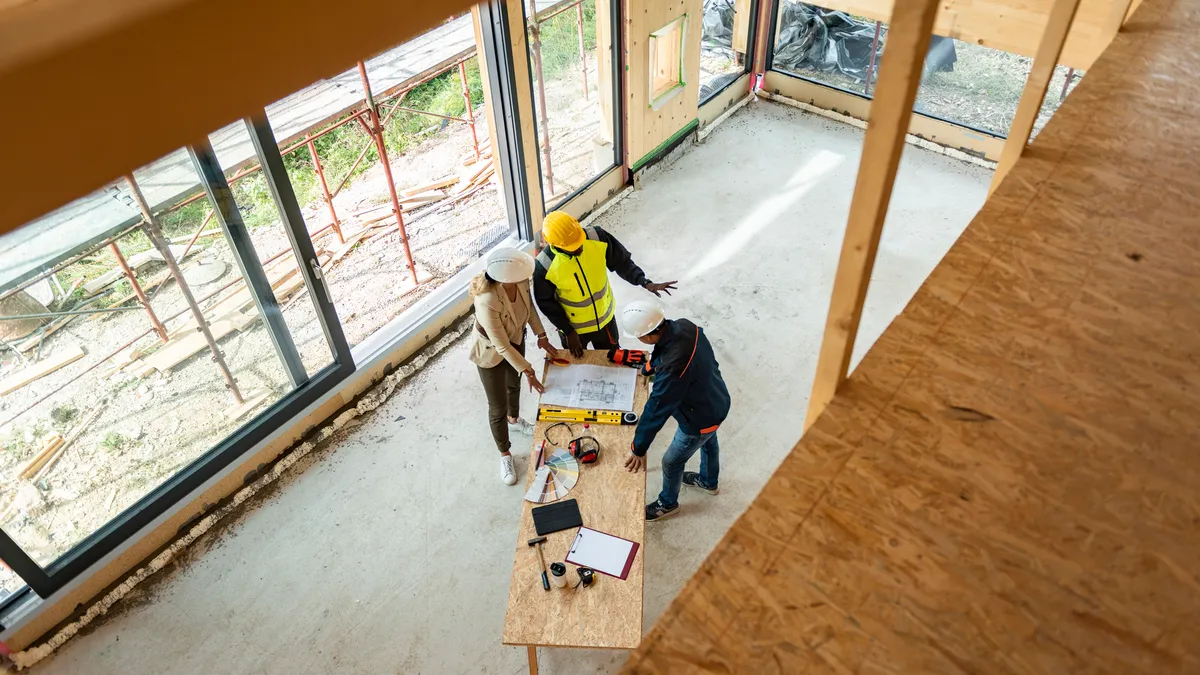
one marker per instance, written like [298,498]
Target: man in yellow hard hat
[570,282]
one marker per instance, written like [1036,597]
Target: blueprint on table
[590,387]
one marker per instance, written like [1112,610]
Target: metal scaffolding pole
[582,51]
[544,122]
[376,130]
[871,65]
[154,232]
[137,290]
[1066,85]
[312,152]
[462,74]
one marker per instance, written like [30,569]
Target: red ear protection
[585,449]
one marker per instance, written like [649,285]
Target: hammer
[538,541]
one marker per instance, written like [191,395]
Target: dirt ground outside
[982,90]
[145,430]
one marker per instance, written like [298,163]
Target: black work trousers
[606,338]
[502,385]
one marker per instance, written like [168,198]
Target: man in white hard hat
[688,387]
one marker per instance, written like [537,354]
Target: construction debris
[235,312]
[41,369]
[438,184]
[49,445]
[135,261]
[66,443]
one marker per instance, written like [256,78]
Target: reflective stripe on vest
[581,284]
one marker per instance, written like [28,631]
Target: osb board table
[608,614]
[1008,481]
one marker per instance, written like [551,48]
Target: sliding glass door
[153,337]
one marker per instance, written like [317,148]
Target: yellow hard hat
[562,231]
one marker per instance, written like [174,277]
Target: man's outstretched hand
[573,344]
[664,287]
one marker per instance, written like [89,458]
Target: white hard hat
[509,265]
[641,318]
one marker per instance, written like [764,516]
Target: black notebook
[557,516]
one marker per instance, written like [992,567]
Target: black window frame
[618,88]
[45,581]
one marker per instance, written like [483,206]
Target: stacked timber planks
[234,312]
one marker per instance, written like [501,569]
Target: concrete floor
[391,553]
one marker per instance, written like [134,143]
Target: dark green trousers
[502,385]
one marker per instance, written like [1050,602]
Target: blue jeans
[683,446]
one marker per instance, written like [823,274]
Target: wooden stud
[899,76]
[485,80]
[741,25]
[1049,51]
[604,65]
[525,113]
[1118,15]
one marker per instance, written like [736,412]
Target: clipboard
[608,555]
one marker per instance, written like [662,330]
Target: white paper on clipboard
[603,552]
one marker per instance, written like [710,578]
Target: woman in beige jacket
[503,307]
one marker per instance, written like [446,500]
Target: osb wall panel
[1009,25]
[1008,481]
[647,129]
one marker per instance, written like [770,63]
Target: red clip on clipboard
[603,552]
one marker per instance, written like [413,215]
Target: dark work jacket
[616,258]
[687,385]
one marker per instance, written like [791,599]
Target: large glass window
[146,327]
[119,394]
[827,46]
[979,87]
[725,44]
[431,107]
[571,54]
[962,83]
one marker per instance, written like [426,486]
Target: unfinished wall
[648,129]
[1010,25]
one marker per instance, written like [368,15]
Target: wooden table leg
[532,659]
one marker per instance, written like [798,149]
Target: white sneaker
[508,473]
[521,427]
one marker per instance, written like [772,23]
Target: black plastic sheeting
[718,34]
[718,24]
[825,40]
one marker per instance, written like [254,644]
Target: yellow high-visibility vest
[581,283]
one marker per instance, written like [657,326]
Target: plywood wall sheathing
[647,128]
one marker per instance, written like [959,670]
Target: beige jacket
[504,322]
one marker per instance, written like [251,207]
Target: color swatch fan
[554,479]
